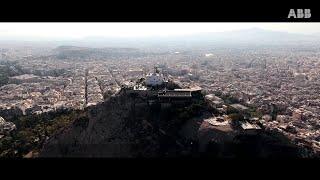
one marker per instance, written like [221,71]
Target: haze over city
[65,31]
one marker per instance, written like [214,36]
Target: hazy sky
[80,30]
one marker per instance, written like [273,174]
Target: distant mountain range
[253,35]
[249,36]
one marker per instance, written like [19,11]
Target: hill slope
[125,126]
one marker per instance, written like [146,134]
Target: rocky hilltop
[128,126]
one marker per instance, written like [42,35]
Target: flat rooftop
[173,93]
[25,76]
[239,106]
[249,126]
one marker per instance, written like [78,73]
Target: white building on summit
[154,79]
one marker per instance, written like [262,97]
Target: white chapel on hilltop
[154,79]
